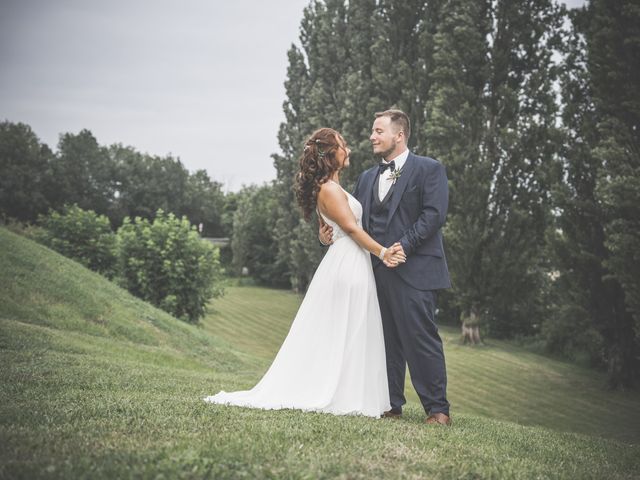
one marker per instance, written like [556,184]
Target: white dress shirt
[385,181]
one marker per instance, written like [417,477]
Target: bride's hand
[325,234]
[394,256]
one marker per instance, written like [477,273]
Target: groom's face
[384,137]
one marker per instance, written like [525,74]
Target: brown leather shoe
[438,418]
[391,414]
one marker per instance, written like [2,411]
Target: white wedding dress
[333,358]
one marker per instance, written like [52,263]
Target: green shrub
[167,264]
[82,235]
[570,334]
[25,229]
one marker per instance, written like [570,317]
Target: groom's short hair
[399,119]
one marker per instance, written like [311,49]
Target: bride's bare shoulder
[329,190]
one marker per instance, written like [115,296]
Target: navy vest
[379,214]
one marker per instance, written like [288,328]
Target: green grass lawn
[97,384]
[497,380]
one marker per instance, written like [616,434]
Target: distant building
[218,242]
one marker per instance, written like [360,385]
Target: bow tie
[383,166]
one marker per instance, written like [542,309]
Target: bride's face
[342,153]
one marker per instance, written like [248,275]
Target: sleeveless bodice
[355,207]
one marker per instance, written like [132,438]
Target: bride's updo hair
[317,164]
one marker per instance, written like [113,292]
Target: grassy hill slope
[96,383]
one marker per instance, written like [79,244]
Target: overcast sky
[200,79]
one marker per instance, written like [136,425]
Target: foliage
[476,79]
[147,183]
[83,172]
[26,179]
[82,235]
[571,333]
[595,239]
[205,204]
[116,181]
[167,263]
[612,30]
[254,245]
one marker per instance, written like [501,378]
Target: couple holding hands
[370,308]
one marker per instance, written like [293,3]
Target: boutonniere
[395,175]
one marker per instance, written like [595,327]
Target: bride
[333,358]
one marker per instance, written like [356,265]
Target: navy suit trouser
[411,338]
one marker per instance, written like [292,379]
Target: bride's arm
[332,201]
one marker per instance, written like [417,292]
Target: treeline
[116,181]
[534,110]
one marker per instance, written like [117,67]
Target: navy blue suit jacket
[417,213]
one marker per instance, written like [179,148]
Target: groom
[404,199]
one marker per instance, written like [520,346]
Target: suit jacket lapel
[401,185]
[366,203]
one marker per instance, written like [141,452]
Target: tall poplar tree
[354,59]
[491,114]
[613,45]
[582,300]
[520,143]
[598,233]
[455,132]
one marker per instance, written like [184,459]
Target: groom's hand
[397,256]
[325,234]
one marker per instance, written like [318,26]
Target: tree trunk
[471,329]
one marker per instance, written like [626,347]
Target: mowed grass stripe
[250,328]
[261,299]
[499,380]
[256,329]
[254,340]
[540,382]
[287,306]
[259,324]
[531,387]
[531,401]
[490,376]
[251,314]
[525,397]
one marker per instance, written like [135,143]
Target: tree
[597,198]
[84,173]
[146,183]
[612,31]
[204,203]
[254,244]
[166,263]
[490,120]
[476,79]
[338,79]
[454,131]
[290,138]
[521,142]
[582,301]
[26,179]
[82,235]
